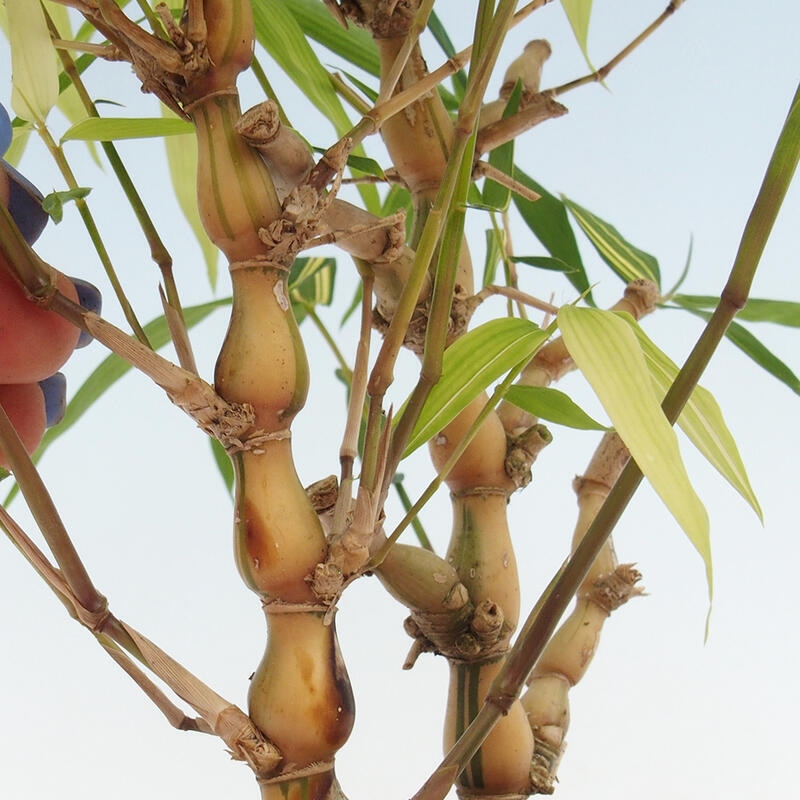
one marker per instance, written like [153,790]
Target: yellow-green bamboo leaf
[607,352]
[579,13]
[34,70]
[108,129]
[625,259]
[701,420]
[182,160]
[469,366]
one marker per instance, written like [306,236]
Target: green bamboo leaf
[53,203]
[354,44]
[701,420]
[34,64]
[548,221]
[311,283]
[578,13]
[223,462]
[544,262]
[495,194]
[552,405]
[470,365]
[764,357]
[368,92]
[494,250]
[607,352]
[442,38]
[109,129]
[627,261]
[279,33]
[182,161]
[779,312]
[755,349]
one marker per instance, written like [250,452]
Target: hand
[34,342]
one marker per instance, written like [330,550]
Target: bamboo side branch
[606,586]
[542,621]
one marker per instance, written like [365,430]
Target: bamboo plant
[480,402]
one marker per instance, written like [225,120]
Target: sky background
[674,149]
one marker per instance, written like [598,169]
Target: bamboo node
[327,582]
[522,450]
[480,491]
[615,589]
[246,742]
[543,767]
[481,794]
[259,263]
[189,107]
[274,605]
[316,768]
[93,620]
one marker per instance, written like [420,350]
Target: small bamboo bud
[300,695]
[523,451]
[526,68]
[502,765]
[487,623]
[547,705]
[286,152]
[421,580]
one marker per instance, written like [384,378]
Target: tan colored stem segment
[300,697]
[235,193]
[502,765]
[262,361]
[420,136]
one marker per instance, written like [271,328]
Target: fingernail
[54,390]
[89,297]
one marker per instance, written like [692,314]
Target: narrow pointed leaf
[224,465]
[470,365]
[34,66]
[751,346]
[607,352]
[496,195]
[278,31]
[552,405]
[548,221]
[494,249]
[764,357]
[626,260]
[109,129]
[354,44]
[701,420]
[311,283]
[544,262]
[578,13]
[779,312]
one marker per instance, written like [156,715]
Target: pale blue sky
[675,148]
